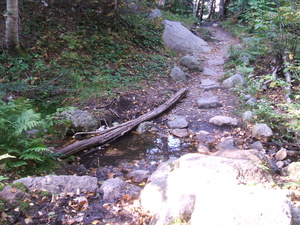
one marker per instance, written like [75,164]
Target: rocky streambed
[194,164]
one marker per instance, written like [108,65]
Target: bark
[222,9]
[12,27]
[117,131]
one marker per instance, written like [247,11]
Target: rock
[280,164]
[251,101]
[262,131]
[114,189]
[181,133]
[178,38]
[215,62]
[209,72]
[233,81]
[223,120]
[208,102]
[202,149]
[145,126]
[60,184]
[257,145]
[178,75]
[176,121]
[191,63]
[248,116]
[242,205]
[80,121]
[227,144]
[208,84]
[256,157]
[138,176]
[104,173]
[175,185]
[245,59]
[10,193]
[281,154]
[293,171]
[156,13]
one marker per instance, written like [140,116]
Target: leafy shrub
[21,150]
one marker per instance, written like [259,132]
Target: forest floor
[58,210]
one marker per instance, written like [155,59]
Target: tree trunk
[12,27]
[221,9]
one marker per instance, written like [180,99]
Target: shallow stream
[152,148]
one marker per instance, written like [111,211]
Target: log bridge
[119,130]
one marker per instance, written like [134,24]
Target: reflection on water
[150,147]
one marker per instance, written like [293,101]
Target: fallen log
[119,130]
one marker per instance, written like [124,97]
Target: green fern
[27,152]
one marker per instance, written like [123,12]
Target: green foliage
[186,20]
[20,148]
[180,7]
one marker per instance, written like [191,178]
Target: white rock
[242,205]
[224,120]
[261,131]
[281,154]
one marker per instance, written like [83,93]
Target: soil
[41,208]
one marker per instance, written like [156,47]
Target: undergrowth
[73,56]
[267,53]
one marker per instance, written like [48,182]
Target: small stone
[145,126]
[202,149]
[261,131]
[138,176]
[177,121]
[209,72]
[280,164]
[257,145]
[248,116]
[208,102]
[251,101]
[191,63]
[208,84]
[215,62]
[224,120]
[233,81]
[281,154]
[178,75]
[181,133]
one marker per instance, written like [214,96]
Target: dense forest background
[59,53]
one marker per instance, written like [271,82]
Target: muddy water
[152,148]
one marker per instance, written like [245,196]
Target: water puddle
[151,147]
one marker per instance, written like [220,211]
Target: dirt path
[213,70]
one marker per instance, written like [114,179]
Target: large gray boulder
[79,121]
[60,184]
[175,186]
[178,38]
[242,205]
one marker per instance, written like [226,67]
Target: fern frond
[37,149]
[17,164]
[29,119]
[32,156]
